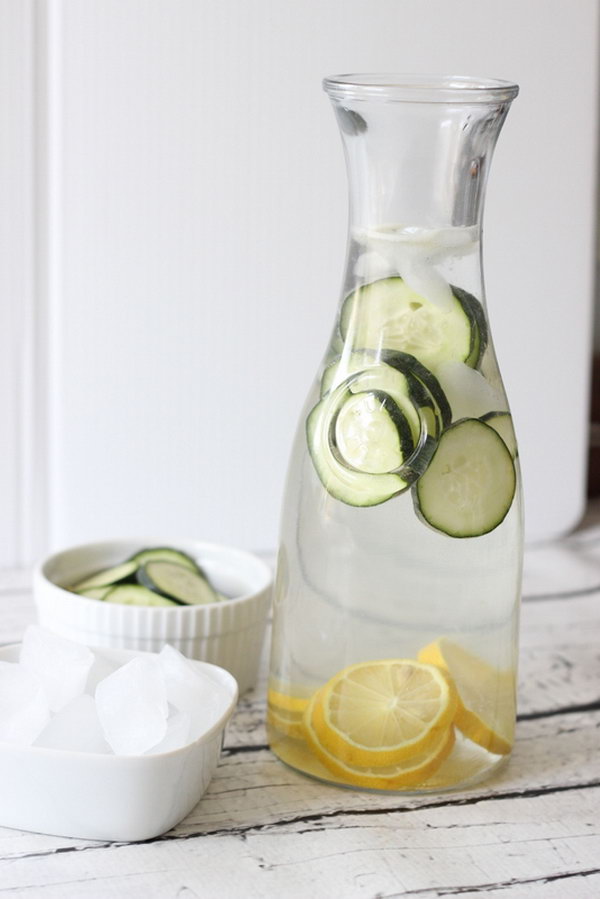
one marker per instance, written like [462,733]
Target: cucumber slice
[412,386]
[373,375]
[372,434]
[177,582]
[387,314]
[344,482]
[136,595]
[168,554]
[107,576]
[479,328]
[425,389]
[375,429]
[93,592]
[502,423]
[470,483]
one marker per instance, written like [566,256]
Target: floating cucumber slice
[165,553]
[412,386]
[136,595]
[176,582]
[373,375]
[376,427]
[479,329]
[470,483]
[387,314]
[425,389]
[372,434]
[107,576]
[343,481]
[502,423]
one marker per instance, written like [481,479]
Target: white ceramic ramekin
[108,797]
[229,633]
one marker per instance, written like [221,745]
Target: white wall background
[193,211]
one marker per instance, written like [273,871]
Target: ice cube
[189,690]
[102,667]
[413,252]
[178,733]
[132,706]
[76,727]
[469,393]
[62,665]
[24,710]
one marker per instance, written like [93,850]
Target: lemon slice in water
[486,695]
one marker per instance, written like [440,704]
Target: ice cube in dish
[76,728]
[61,665]
[179,726]
[24,710]
[103,666]
[132,706]
[191,691]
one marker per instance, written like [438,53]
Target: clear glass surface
[398,580]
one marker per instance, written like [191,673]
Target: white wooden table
[263,830]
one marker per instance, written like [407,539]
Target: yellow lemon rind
[291,725]
[286,702]
[476,730]
[468,722]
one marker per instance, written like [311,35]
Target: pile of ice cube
[62,695]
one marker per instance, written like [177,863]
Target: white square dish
[108,797]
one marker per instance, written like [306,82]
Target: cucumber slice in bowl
[136,595]
[470,483]
[177,582]
[108,576]
[168,554]
[94,592]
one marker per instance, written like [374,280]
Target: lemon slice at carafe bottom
[486,695]
[377,714]
[286,702]
[288,723]
[411,772]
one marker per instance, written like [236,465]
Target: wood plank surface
[262,829]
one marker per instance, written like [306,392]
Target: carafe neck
[418,148]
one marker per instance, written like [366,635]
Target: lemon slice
[408,773]
[284,702]
[486,695]
[376,714]
[288,723]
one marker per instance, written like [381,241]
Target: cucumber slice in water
[372,434]
[108,576]
[387,314]
[479,329]
[375,429]
[470,483]
[502,423]
[177,582]
[136,595]
[342,480]
[425,389]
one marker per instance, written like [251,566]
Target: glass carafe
[398,579]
